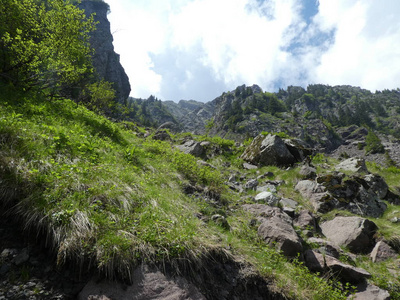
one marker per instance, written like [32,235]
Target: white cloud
[196,49]
[366,51]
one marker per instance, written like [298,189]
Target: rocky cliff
[105,60]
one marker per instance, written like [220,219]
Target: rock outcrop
[105,61]
[272,150]
[355,233]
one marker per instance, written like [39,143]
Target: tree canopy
[44,44]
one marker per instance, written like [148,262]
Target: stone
[263,211]
[191,147]
[382,252]
[317,262]
[277,232]
[268,198]
[316,193]
[268,150]
[356,233]
[377,184]
[248,166]
[306,220]
[251,184]
[267,188]
[356,165]
[148,283]
[366,291]
[308,172]
[346,272]
[314,261]
[286,202]
[325,247]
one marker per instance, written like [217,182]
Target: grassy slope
[103,194]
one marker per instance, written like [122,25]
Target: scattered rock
[353,232]
[356,165]
[382,251]
[268,150]
[286,202]
[267,188]
[278,232]
[316,193]
[366,291]
[306,221]
[346,272]
[377,184]
[267,198]
[308,172]
[317,262]
[161,135]
[325,247]
[192,147]
[251,184]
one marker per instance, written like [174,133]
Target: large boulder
[377,184]
[267,198]
[192,147]
[322,263]
[276,228]
[268,150]
[355,233]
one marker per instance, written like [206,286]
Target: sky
[198,49]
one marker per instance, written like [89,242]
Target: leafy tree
[44,44]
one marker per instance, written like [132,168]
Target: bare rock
[267,188]
[316,193]
[263,211]
[353,232]
[267,198]
[317,262]
[377,184]
[366,291]
[382,251]
[248,166]
[251,184]
[346,272]
[306,220]
[268,150]
[308,172]
[276,231]
[147,284]
[356,165]
[192,147]
[325,247]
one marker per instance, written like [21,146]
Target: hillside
[254,195]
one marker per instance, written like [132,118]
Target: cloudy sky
[197,49]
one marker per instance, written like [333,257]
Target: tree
[44,44]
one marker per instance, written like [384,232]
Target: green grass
[102,194]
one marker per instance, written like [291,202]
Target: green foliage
[373,144]
[282,135]
[99,96]
[44,45]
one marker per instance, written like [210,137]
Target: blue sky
[197,49]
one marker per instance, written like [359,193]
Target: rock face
[147,284]
[353,232]
[105,60]
[272,150]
